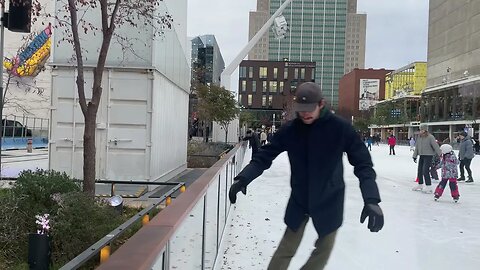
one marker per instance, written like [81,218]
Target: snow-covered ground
[419,233]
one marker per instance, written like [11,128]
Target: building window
[275,73]
[273,87]
[240,98]
[264,86]
[270,101]
[293,86]
[296,74]
[243,72]
[302,73]
[254,86]
[264,100]
[280,87]
[285,73]
[250,72]
[263,72]
[249,100]
[244,86]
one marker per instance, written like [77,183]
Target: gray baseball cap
[307,97]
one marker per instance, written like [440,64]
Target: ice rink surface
[419,233]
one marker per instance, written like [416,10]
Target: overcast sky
[396,29]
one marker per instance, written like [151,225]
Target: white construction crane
[280,30]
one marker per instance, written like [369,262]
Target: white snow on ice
[419,233]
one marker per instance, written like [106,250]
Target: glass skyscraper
[316,34]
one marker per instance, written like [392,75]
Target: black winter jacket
[315,152]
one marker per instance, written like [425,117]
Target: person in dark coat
[254,141]
[315,142]
[465,155]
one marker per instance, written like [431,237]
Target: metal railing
[187,234]
[103,246]
[24,126]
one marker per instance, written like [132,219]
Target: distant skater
[392,141]
[449,172]
[369,143]
[412,144]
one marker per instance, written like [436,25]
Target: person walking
[449,172]
[369,142]
[465,154]
[253,141]
[412,144]
[263,137]
[392,141]
[315,141]
[426,147]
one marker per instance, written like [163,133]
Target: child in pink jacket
[449,169]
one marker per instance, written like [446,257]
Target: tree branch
[76,46]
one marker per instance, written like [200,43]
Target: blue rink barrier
[21,143]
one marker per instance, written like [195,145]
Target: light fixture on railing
[117,203]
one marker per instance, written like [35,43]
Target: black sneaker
[461,179]
[470,180]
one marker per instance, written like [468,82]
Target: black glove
[236,187]
[375,216]
[415,159]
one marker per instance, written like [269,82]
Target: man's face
[309,117]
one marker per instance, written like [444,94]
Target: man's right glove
[375,216]
[415,159]
[236,187]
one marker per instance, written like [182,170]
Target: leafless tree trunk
[90,109]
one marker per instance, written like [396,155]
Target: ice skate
[418,187]
[427,190]
[456,199]
[470,180]
[436,197]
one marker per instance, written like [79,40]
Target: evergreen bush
[80,222]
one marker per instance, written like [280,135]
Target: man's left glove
[236,187]
[375,216]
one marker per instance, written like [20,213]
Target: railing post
[105,253]
[168,201]
[145,219]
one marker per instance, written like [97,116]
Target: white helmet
[446,148]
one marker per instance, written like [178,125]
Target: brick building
[360,89]
[266,87]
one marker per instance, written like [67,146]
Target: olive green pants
[289,244]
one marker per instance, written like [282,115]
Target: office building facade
[316,34]
[207,59]
[451,101]
[355,37]
[267,87]
[256,20]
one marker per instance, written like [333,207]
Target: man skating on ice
[315,142]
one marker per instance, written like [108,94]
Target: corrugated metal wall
[169,128]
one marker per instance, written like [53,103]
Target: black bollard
[38,251]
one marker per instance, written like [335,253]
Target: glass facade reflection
[316,34]
[459,102]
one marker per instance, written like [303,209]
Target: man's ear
[321,103]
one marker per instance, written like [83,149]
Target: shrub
[80,222]
[36,190]
[204,155]
[31,195]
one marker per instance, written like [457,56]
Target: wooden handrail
[141,251]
